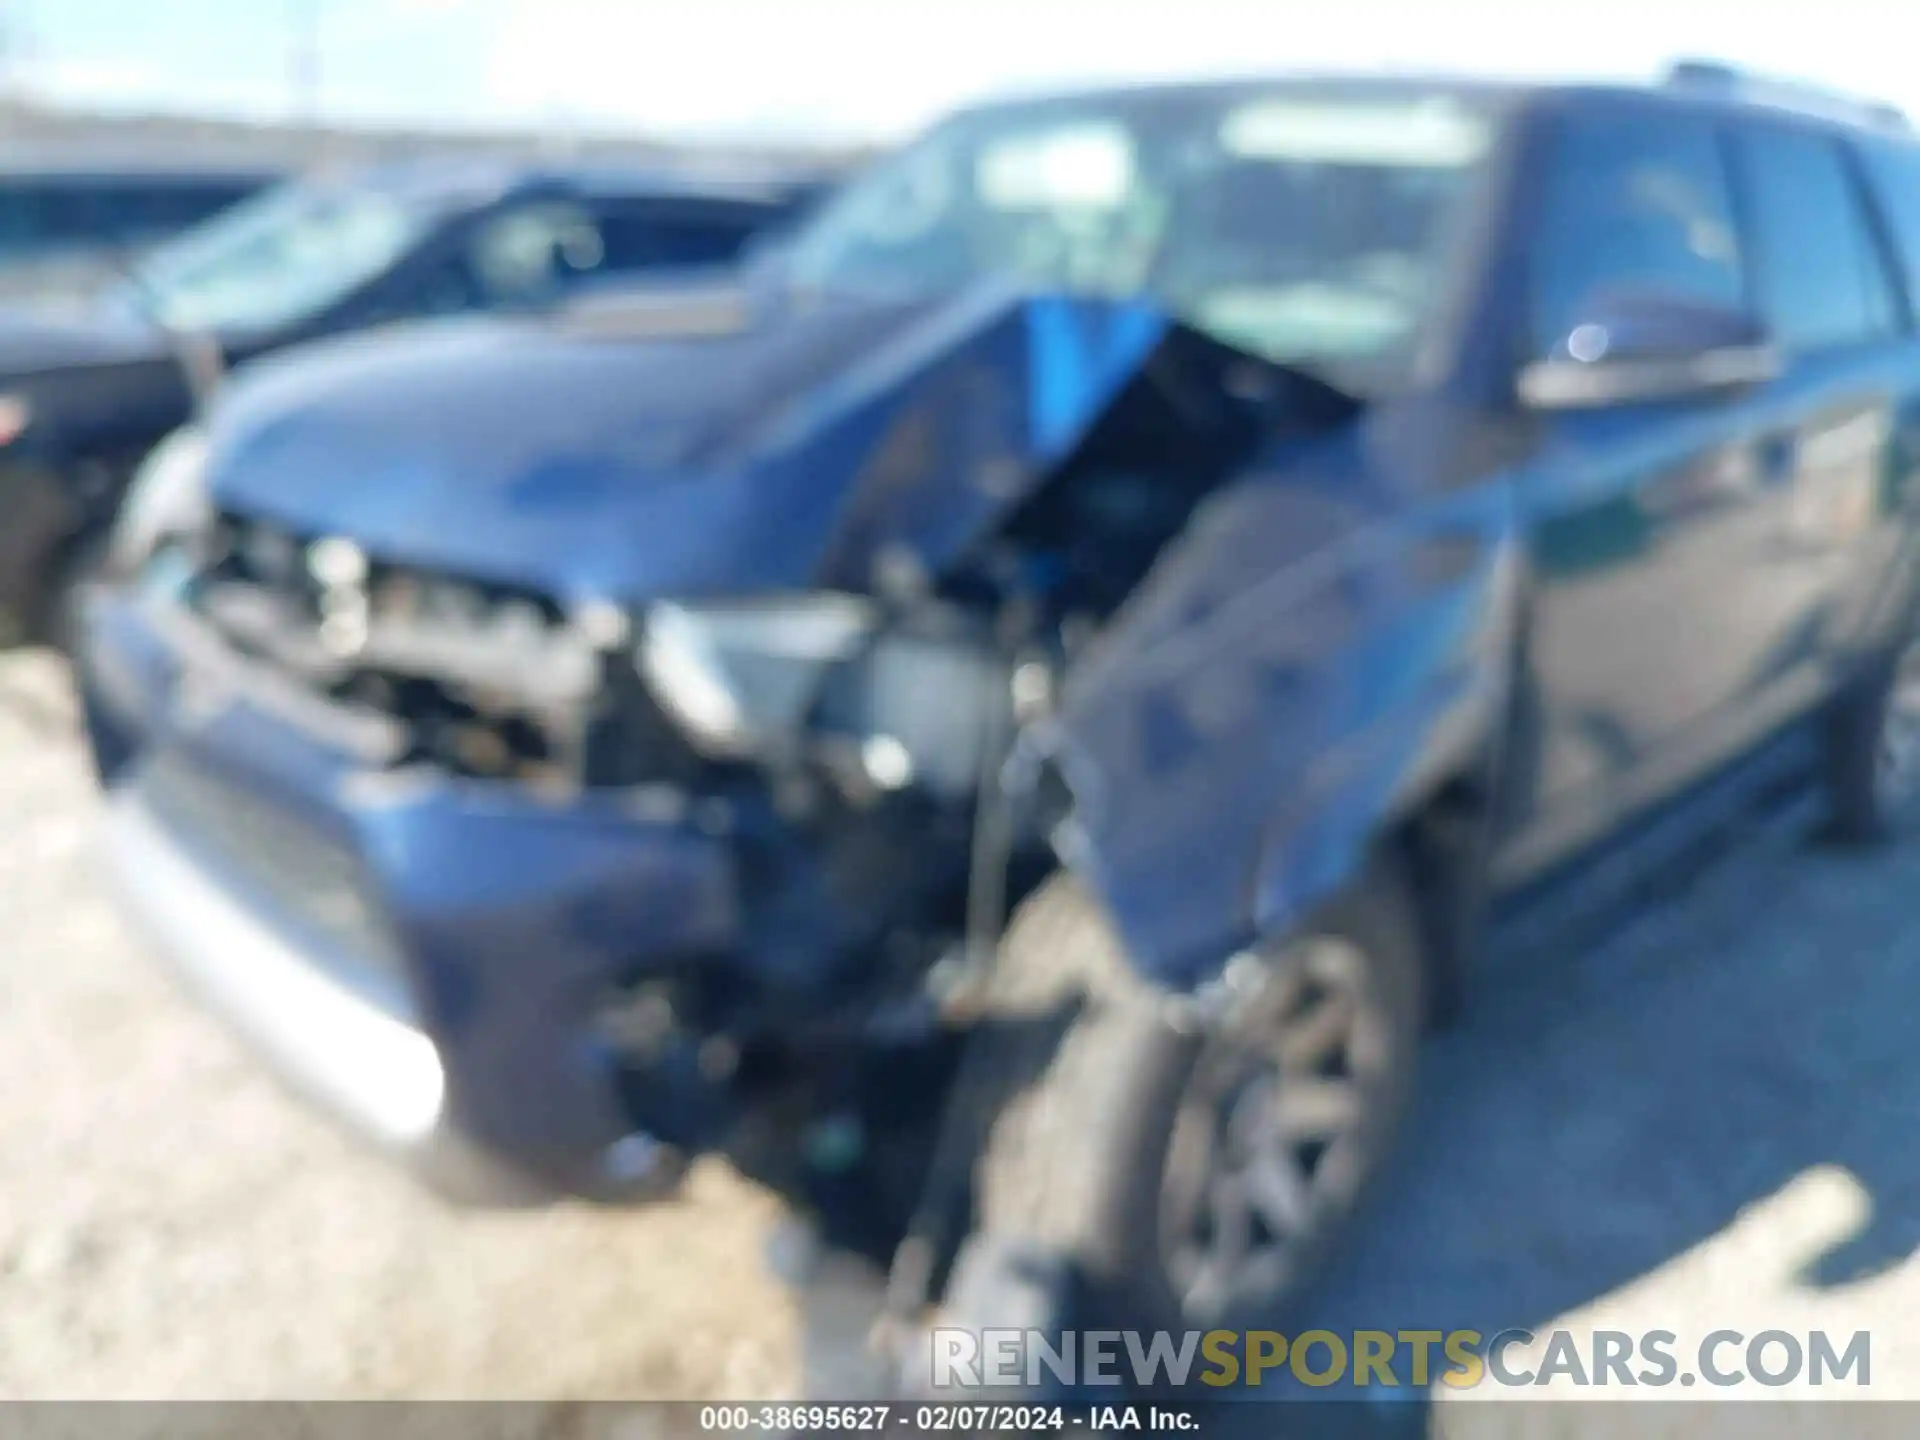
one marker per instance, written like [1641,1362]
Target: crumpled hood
[709,443]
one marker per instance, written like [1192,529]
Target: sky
[868,69]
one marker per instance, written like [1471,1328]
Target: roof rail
[1717,77]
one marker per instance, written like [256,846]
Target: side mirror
[1630,350]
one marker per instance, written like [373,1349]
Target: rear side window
[702,242]
[530,253]
[130,209]
[62,214]
[1818,275]
[1895,174]
[1636,202]
[20,223]
[41,215]
[162,206]
[641,237]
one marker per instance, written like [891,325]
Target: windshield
[1302,225]
[278,258]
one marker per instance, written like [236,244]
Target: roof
[1173,94]
[1690,83]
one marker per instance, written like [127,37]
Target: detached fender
[1302,668]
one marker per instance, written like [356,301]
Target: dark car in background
[1269,539]
[85,392]
[71,223]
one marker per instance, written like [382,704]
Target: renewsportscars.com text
[1459,1359]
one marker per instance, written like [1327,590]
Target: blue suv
[1009,716]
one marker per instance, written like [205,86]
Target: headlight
[739,677]
[926,705]
[167,496]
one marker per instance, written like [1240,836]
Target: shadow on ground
[1593,1117]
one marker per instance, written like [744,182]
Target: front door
[1645,520]
[1692,557]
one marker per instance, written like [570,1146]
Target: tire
[1113,1140]
[1872,750]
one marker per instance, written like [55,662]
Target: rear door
[1872,596]
[1824,287]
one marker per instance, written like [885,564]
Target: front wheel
[1196,1176]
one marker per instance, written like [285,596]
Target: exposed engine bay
[489,682]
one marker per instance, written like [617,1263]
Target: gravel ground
[1707,1123]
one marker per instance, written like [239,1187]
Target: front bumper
[371,1064]
[427,958]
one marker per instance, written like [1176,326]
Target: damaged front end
[810,667]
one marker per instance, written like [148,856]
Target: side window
[530,254]
[74,213]
[205,203]
[521,257]
[1819,277]
[179,206]
[1635,203]
[122,211]
[640,237]
[142,210]
[20,228]
[174,205]
[1894,172]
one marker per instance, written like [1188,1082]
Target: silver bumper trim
[380,1072]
